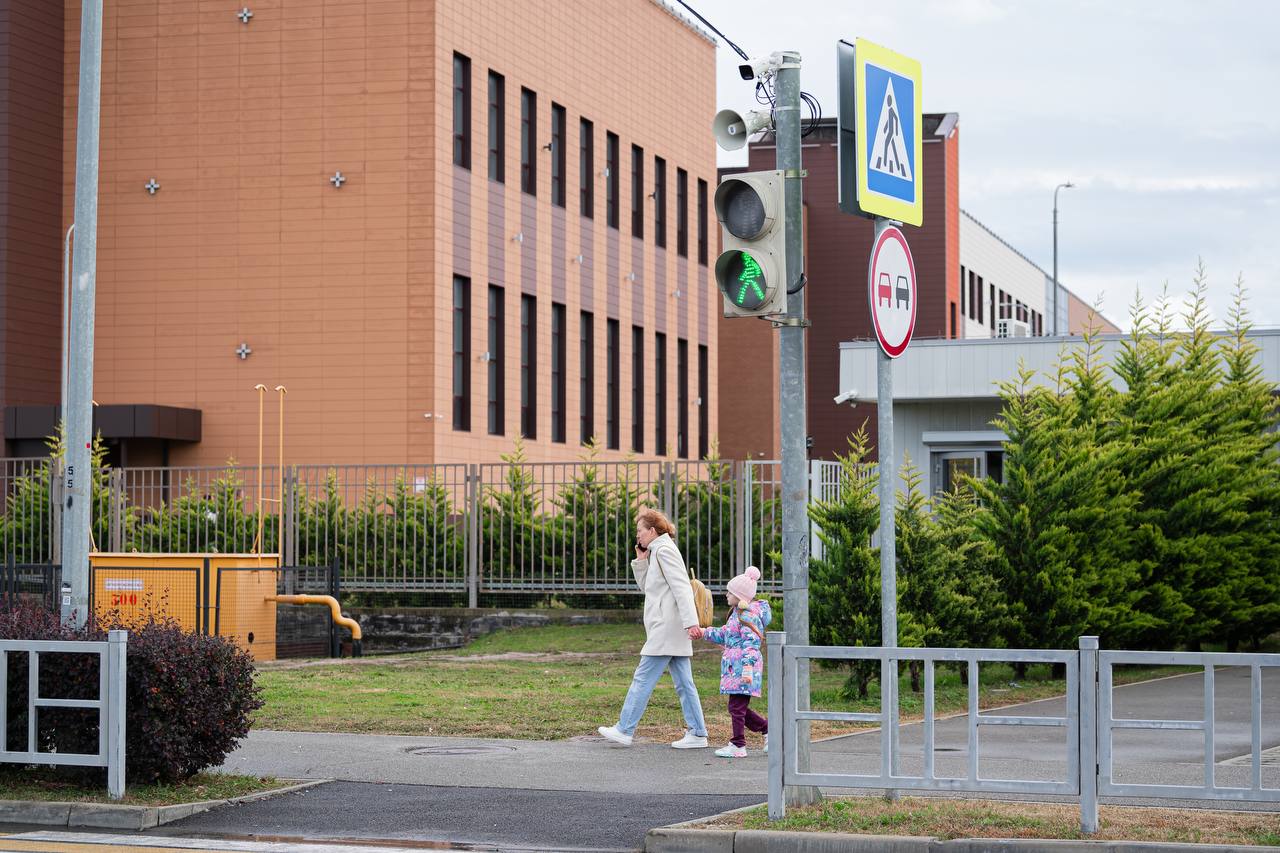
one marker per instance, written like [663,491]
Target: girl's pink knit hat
[743,586]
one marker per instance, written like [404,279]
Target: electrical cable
[711,26]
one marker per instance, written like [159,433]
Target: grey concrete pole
[792,406]
[78,412]
[66,313]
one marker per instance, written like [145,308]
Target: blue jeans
[646,678]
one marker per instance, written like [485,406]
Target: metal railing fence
[110,705]
[465,530]
[1088,724]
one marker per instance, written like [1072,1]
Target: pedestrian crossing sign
[887,134]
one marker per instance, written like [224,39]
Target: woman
[670,624]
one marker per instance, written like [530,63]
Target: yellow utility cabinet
[224,594]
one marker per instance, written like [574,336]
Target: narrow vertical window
[637,192]
[704,404]
[461,111]
[682,213]
[660,202]
[528,367]
[558,132]
[964,299]
[612,179]
[613,380]
[992,306]
[497,127]
[682,398]
[660,393]
[587,168]
[497,351]
[637,389]
[587,377]
[528,142]
[557,372]
[702,222]
[461,353]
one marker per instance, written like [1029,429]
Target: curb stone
[112,816]
[676,839]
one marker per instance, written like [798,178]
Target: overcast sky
[1165,114]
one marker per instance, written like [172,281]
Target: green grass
[948,819]
[46,785]
[559,682]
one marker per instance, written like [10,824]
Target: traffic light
[751,271]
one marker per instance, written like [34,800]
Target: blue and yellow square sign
[887,134]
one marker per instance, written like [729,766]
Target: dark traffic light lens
[742,280]
[743,210]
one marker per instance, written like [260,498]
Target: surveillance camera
[760,66]
[849,396]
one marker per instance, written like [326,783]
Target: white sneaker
[731,751]
[766,744]
[690,741]
[612,733]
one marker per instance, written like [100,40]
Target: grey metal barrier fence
[1088,724]
[110,705]
[463,530]
[1252,789]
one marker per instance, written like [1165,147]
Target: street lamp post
[1054,321]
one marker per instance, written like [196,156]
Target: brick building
[441,226]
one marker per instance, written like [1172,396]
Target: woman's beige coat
[668,599]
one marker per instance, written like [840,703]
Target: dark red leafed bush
[188,702]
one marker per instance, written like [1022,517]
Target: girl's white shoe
[731,751]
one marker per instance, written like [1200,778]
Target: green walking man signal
[751,269]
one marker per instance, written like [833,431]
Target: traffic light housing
[752,267]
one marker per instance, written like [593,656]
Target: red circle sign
[891,290]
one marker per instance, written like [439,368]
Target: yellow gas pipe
[357,647]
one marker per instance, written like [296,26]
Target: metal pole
[66,312]
[78,411]
[792,407]
[1067,185]
[888,473]
[1088,721]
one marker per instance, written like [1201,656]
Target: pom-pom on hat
[743,586]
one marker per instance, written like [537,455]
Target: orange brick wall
[344,295]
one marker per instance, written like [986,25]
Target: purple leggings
[744,718]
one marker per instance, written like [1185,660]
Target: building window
[612,381]
[660,393]
[611,179]
[682,398]
[497,127]
[637,389]
[682,213]
[965,300]
[587,377]
[528,142]
[660,202]
[461,353]
[991,305]
[637,192]
[1006,306]
[702,222]
[558,349]
[461,111]
[952,305]
[587,168]
[975,282]
[528,367]
[497,353]
[704,404]
[558,133]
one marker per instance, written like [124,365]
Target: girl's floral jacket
[742,665]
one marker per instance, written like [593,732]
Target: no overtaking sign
[892,291]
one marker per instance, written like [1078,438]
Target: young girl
[742,665]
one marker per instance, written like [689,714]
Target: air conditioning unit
[1012,329]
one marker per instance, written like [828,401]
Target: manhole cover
[459,750]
